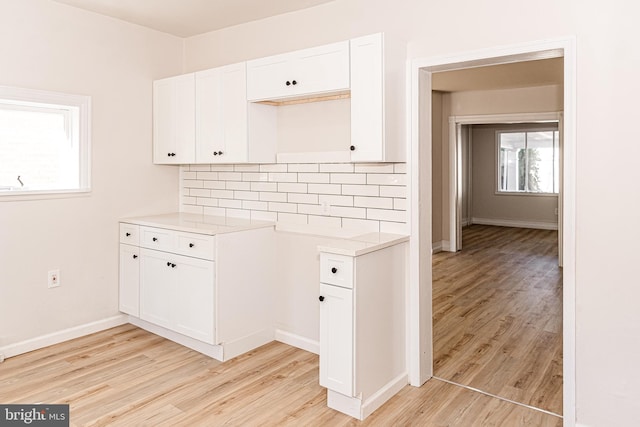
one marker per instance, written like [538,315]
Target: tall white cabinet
[362,326]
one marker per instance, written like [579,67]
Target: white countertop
[195,223]
[362,244]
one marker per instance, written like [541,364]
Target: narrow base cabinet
[362,328]
[208,292]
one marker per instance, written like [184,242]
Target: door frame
[455,165]
[419,319]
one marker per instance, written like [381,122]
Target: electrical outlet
[53,278]
[326,207]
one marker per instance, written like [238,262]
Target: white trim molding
[541,225]
[62,336]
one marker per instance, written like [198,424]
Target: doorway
[420,144]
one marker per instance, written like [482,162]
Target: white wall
[49,46]
[608,322]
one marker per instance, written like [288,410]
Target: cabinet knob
[334,270]
[135,256]
[191,245]
[168,264]
[155,239]
[321,298]
[127,234]
[215,153]
[288,83]
[171,154]
[173,266]
[219,153]
[294,82]
[352,148]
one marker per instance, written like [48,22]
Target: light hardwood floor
[128,377]
[497,308]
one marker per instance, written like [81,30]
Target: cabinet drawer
[129,234]
[336,270]
[157,238]
[195,245]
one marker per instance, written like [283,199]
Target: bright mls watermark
[34,415]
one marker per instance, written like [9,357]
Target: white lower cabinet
[211,293]
[336,338]
[362,328]
[176,292]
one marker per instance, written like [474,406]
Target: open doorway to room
[497,286]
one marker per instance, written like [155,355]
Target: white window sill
[524,193]
[15,196]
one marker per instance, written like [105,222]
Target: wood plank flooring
[128,377]
[497,313]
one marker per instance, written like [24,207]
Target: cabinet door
[322,69]
[174,120]
[157,287]
[193,301]
[221,115]
[267,77]
[336,339]
[129,284]
[367,99]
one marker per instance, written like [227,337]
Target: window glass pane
[540,164]
[39,148]
[511,155]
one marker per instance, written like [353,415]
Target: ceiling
[541,72]
[187,18]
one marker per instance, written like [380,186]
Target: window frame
[524,129]
[35,99]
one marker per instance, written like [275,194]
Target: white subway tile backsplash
[292,187]
[336,200]
[264,216]
[373,202]
[222,168]
[238,213]
[222,194]
[336,167]
[238,185]
[386,179]
[325,221]
[255,176]
[230,203]
[310,199]
[324,188]
[217,185]
[199,192]
[292,218]
[283,207]
[387,215]
[214,211]
[364,197]
[246,168]
[279,167]
[255,205]
[303,167]
[348,178]
[273,197]
[209,176]
[283,177]
[246,195]
[206,201]
[229,176]
[374,167]
[317,178]
[393,191]
[361,190]
[264,186]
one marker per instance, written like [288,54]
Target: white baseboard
[62,336]
[298,341]
[442,245]
[542,225]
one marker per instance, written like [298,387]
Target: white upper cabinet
[319,70]
[174,120]
[221,115]
[367,99]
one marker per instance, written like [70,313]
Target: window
[44,142]
[528,161]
